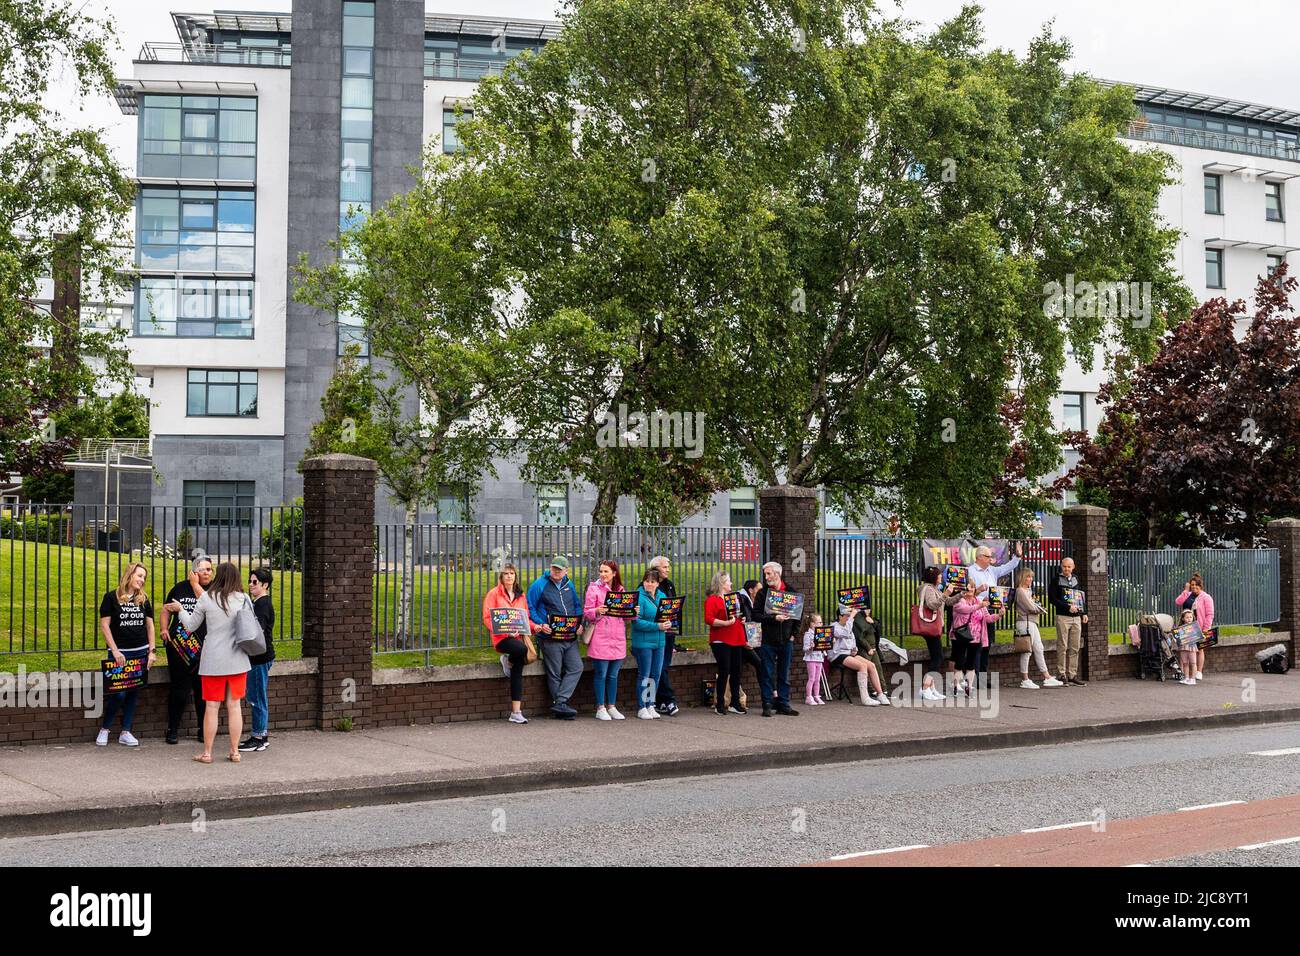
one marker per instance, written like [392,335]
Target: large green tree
[63,199]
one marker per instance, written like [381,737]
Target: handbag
[922,626]
[587,631]
[248,632]
[963,635]
[1024,641]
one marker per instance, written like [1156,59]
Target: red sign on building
[739,549]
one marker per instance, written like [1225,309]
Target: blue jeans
[775,674]
[257,676]
[604,681]
[124,701]
[649,664]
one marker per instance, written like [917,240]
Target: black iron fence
[57,561]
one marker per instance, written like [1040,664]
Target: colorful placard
[620,604]
[186,645]
[823,638]
[565,627]
[1186,635]
[1209,637]
[508,622]
[669,609]
[997,599]
[753,633]
[1074,597]
[129,675]
[852,597]
[785,602]
[731,600]
[956,575]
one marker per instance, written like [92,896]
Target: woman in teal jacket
[648,643]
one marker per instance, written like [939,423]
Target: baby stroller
[1157,655]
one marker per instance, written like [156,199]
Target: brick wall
[1085,526]
[291,693]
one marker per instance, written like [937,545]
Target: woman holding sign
[126,621]
[649,640]
[1197,600]
[223,665]
[511,633]
[726,640]
[608,644]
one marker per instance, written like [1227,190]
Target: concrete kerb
[416,787]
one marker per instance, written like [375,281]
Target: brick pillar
[1085,526]
[1284,534]
[789,513]
[337,595]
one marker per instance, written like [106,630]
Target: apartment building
[261,135]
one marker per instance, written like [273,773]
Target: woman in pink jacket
[1197,600]
[608,645]
[972,611]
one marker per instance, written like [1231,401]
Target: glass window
[221,392]
[1072,411]
[453,504]
[743,508]
[357,123]
[1214,268]
[218,503]
[1273,209]
[552,504]
[198,214]
[182,136]
[359,31]
[356,153]
[358,92]
[199,125]
[1274,263]
[156,306]
[358,62]
[450,141]
[238,126]
[1214,194]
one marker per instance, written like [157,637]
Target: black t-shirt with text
[126,622]
[183,594]
[264,611]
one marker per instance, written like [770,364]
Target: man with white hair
[777,649]
[1070,619]
[984,575]
[665,697]
[183,677]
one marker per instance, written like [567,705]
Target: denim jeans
[124,701]
[774,678]
[257,677]
[604,681]
[649,663]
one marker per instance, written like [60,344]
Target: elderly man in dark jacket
[778,647]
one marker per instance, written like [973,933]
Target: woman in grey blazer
[223,666]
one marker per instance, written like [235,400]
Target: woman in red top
[726,640]
[508,593]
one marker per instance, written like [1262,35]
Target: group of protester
[198,614]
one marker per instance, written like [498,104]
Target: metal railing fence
[1243,583]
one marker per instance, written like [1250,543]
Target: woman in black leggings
[726,639]
[514,649]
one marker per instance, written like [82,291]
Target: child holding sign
[816,642]
[126,621]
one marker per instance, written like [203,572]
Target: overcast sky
[1245,50]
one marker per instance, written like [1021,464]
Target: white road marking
[1208,806]
[1059,826]
[1275,753]
[1260,846]
[892,849]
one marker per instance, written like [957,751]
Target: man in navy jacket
[554,593]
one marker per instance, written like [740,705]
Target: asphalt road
[772,817]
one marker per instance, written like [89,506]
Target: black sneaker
[767,710]
[1078,682]
[671,710]
[720,711]
[737,709]
[173,736]
[253,745]
[787,711]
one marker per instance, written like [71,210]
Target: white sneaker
[613,712]
[870,702]
[127,739]
[1027,684]
[884,699]
[936,694]
[1198,676]
[1190,682]
[102,739]
[654,714]
[646,713]
[1052,682]
[517,718]
[602,714]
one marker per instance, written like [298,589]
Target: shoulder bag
[922,626]
[1024,643]
[248,631]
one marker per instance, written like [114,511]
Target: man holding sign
[984,575]
[553,595]
[1068,601]
[778,630]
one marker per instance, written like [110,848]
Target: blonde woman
[223,665]
[126,621]
[726,640]
[1026,613]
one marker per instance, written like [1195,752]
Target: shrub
[282,539]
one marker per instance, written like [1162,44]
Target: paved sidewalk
[77,787]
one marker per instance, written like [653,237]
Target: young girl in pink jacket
[608,644]
[973,611]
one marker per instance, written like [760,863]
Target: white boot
[864,690]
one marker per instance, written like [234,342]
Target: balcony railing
[231,54]
[441,67]
[1206,139]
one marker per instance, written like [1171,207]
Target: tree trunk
[406,595]
[605,511]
